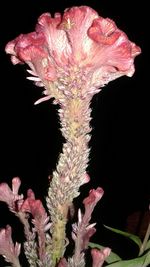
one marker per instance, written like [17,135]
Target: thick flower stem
[70,171]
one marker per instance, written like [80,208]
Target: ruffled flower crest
[75,54]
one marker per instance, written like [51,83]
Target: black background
[30,140]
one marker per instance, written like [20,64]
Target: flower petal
[75,54]
[76,22]
[57,41]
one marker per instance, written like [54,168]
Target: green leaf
[147,245]
[134,238]
[113,257]
[137,262]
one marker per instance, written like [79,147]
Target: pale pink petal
[76,22]
[57,41]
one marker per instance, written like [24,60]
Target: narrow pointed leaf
[143,261]
[132,237]
[113,257]
[147,245]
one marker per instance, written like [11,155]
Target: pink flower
[40,220]
[11,197]
[94,196]
[89,204]
[83,231]
[35,207]
[99,256]
[74,54]
[89,232]
[7,247]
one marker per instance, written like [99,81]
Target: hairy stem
[70,171]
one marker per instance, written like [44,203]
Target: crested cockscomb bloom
[74,54]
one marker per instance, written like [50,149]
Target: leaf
[137,262]
[113,257]
[134,238]
[147,245]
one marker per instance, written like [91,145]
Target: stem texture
[70,171]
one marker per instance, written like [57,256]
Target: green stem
[146,238]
